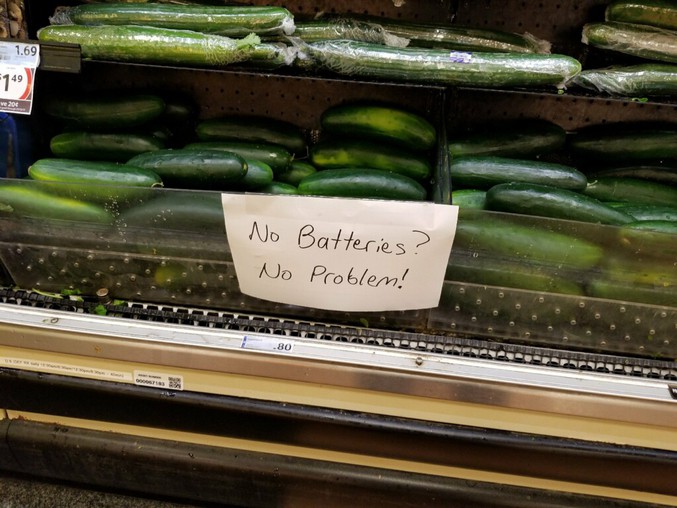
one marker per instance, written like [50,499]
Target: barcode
[174,382]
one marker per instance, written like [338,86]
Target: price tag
[272,344]
[18,62]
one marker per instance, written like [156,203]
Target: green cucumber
[102,146]
[628,291]
[151,45]
[98,181]
[177,210]
[659,173]
[649,212]
[275,156]
[112,110]
[633,190]
[346,28]
[192,168]
[483,172]
[516,138]
[279,188]
[641,80]
[469,198]
[259,175]
[660,13]
[296,172]
[362,183]
[31,201]
[655,238]
[641,41]
[361,153]
[624,142]
[478,69]
[524,244]
[547,201]
[253,129]
[512,274]
[233,21]
[461,38]
[380,122]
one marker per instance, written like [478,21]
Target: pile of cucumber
[192,34]
[646,30]
[541,234]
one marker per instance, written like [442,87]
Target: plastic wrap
[642,41]
[348,29]
[659,13]
[231,21]
[631,81]
[455,68]
[151,44]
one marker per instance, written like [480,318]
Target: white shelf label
[340,254]
[18,62]
[158,380]
[271,344]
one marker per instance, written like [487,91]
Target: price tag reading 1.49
[18,61]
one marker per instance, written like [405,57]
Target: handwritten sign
[340,254]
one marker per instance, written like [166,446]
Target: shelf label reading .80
[18,62]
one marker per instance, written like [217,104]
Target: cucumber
[462,38]
[523,244]
[98,181]
[346,28]
[512,274]
[111,110]
[660,13]
[641,41]
[469,198]
[275,156]
[653,238]
[259,175]
[253,129]
[627,291]
[380,122]
[547,201]
[31,201]
[193,169]
[650,79]
[296,172]
[484,172]
[478,69]
[361,153]
[229,20]
[633,190]
[362,183]
[624,142]
[659,173]
[151,45]
[102,146]
[279,188]
[177,210]
[517,138]
[649,212]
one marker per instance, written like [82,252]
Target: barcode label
[460,57]
[158,380]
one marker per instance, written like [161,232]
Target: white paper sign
[18,62]
[340,254]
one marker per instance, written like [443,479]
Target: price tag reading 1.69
[18,62]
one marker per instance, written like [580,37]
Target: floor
[18,491]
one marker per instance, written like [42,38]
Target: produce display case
[273,396]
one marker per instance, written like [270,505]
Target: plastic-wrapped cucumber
[348,29]
[651,79]
[478,69]
[229,20]
[465,38]
[145,44]
[660,13]
[642,41]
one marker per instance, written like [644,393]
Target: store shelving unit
[193,400]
